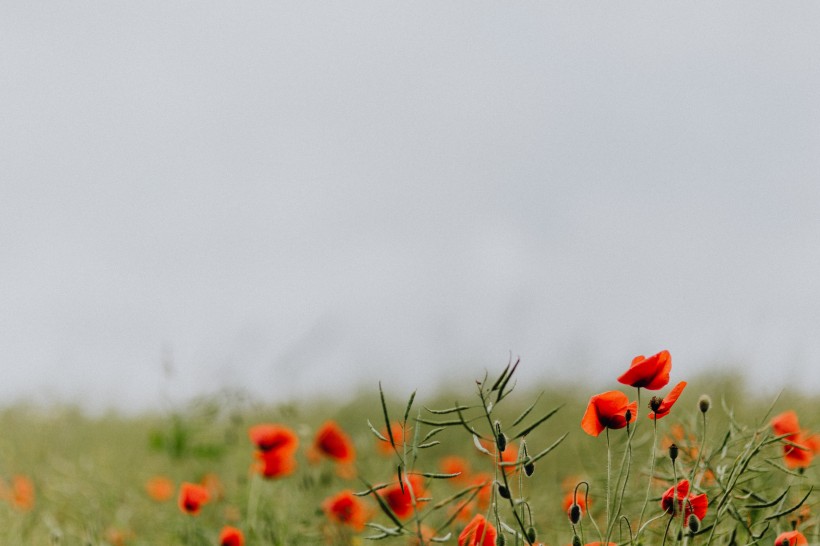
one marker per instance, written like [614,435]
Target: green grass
[89,471]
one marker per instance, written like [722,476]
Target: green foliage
[89,472]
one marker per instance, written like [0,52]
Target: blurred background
[303,199]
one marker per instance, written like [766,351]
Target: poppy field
[657,459]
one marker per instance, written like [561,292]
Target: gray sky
[303,197]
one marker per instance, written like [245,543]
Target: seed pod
[500,438]
[531,534]
[576,541]
[503,491]
[628,416]
[673,452]
[574,513]
[704,403]
[693,523]
[529,468]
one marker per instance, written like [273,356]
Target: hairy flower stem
[608,483]
[626,462]
[700,454]
[651,470]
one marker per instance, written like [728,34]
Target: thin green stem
[608,479]
[253,501]
[651,471]
[666,531]
[700,453]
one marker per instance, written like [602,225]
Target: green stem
[651,472]
[253,501]
[608,479]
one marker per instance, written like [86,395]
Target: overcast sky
[304,197]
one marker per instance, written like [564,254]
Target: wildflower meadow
[657,459]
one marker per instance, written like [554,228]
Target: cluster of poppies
[192,497]
[613,410]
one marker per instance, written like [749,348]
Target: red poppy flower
[686,503]
[398,497]
[269,437]
[191,497]
[455,465]
[479,532]
[662,406]
[274,464]
[607,410]
[231,536]
[650,373]
[346,508]
[791,538]
[485,492]
[21,493]
[800,450]
[332,441]
[160,488]
[399,435]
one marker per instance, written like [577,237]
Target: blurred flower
[160,488]
[484,482]
[213,484]
[791,538]
[276,446]
[427,534]
[269,437]
[607,410]
[399,498]
[191,497]
[274,464]
[802,446]
[118,537]
[346,508]
[332,442]
[21,493]
[399,435]
[686,503]
[650,373]
[455,464]
[479,532]
[231,536]
[662,406]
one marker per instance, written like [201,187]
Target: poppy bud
[531,534]
[673,452]
[704,402]
[574,513]
[576,541]
[529,468]
[693,523]
[628,416]
[500,540]
[503,491]
[500,438]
